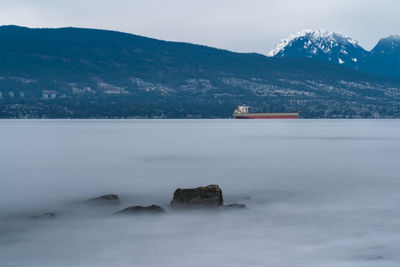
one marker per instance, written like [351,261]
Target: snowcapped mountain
[321,45]
[332,47]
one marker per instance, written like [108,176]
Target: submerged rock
[153,209]
[235,206]
[110,199]
[375,258]
[47,215]
[207,196]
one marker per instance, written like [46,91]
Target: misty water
[318,192]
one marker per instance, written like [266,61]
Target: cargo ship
[242,112]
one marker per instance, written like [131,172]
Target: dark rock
[153,209]
[47,215]
[208,196]
[111,199]
[236,206]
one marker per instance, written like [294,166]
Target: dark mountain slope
[385,57]
[72,72]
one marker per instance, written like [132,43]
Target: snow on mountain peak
[316,39]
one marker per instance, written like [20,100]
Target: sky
[237,25]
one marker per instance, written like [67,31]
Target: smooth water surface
[319,192]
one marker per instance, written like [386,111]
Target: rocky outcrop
[153,209]
[47,215]
[207,196]
[104,200]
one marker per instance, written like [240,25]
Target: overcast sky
[238,25]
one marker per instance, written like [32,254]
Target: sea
[318,193]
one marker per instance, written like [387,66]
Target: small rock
[47,215]
[153,209]
[375,258]
[236,206]
[110,199]
[208,196]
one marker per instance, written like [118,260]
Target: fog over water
[319,192]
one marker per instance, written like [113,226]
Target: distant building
[87,90]
[49,94]
[21,94]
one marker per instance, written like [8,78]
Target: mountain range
[89,73]
[383,59]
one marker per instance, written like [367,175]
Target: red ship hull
[266,116]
